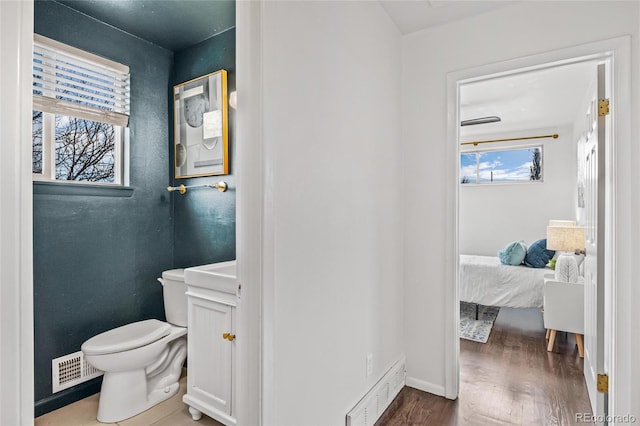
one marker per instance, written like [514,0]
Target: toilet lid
[127,337]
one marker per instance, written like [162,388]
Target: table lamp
[566,239]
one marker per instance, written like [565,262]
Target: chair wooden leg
[548,332]
[552,340]
[580,344]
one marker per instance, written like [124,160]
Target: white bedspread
[484,280]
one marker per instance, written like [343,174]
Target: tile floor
[172,412]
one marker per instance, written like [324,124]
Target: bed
[486,281]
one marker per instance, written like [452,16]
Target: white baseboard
[412,382]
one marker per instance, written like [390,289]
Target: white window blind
[69,81]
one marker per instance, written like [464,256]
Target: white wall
[491,216]
[522,29]
[333,251]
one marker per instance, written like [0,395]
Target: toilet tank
[175,299]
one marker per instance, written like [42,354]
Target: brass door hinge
[603,107]
[603,383]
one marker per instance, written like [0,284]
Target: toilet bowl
[142,361]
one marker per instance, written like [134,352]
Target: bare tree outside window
[84,150]
[36,129]
[536,165]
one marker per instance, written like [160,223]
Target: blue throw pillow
[537,255]
[513,254]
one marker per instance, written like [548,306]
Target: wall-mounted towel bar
[220,186]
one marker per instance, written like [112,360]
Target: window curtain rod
[554,136]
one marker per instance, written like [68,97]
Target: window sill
[58,188]
[502,183]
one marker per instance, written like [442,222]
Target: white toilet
[142,361]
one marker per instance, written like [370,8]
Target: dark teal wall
[97,253]
[205,219]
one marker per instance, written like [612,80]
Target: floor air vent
[70,370]
[379,397]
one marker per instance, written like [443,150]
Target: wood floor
[510,380]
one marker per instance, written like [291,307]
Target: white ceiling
[532,100]
[415,15]
[538,99]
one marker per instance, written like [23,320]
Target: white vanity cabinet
[211,350]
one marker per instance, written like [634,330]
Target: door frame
[619,204]
[16,247]
[16,262]
[254,243]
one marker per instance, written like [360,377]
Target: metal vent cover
[379,397]
[70,370]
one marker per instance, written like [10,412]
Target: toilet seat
[127,337]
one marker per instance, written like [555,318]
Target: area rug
[476,330]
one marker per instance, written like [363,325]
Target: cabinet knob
[230,337]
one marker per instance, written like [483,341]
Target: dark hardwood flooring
[510,380]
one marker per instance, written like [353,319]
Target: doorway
[596,52]
[526,172]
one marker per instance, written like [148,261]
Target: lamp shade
[554,222]
[565,238]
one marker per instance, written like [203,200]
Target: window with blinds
[80,110]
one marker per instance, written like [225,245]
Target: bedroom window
[81,111]
[501,166]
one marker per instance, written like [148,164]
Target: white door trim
[620,204]
[16,215]
[252,240]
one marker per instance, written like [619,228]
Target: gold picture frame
[201,131]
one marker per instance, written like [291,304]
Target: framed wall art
[200,114]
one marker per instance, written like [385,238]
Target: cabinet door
[210,355]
